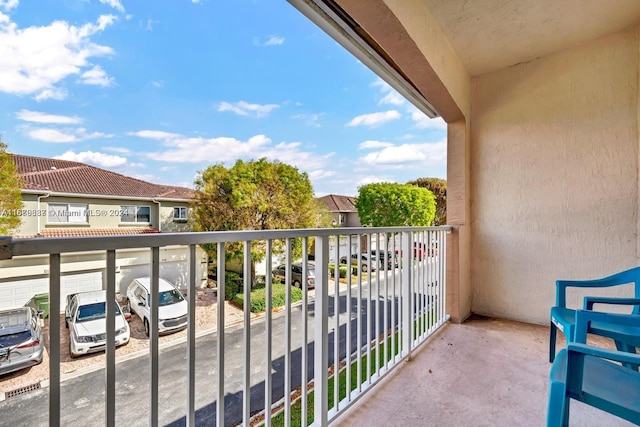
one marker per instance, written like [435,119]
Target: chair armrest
[585,317]
[618,356]
[589,301]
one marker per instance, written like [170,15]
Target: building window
[343,218]
[135,214]
[66,213]
[180,213]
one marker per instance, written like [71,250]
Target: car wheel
[66,323]
[73,356]
[343,261]
[364,268]
[146,326]
[297,284]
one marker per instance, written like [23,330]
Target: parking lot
[206,309]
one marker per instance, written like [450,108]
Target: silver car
[21,342]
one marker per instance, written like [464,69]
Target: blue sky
[160,90]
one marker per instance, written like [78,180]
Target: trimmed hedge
[342,269]
[258,297]
[232,285]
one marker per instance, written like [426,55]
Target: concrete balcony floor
[484,372]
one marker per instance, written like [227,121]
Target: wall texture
[554,175]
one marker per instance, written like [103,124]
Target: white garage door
[17,293]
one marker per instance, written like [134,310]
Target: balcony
[408,367]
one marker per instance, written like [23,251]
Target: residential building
[64,198]
[342,209]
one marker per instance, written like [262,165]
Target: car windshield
[93,311]
[170,297]
[14,339]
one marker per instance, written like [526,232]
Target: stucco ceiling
[493,34]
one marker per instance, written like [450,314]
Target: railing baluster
[336,333]
[390,268]
[407,307]
[54,340]
[377,321]
[191,339]
[287,338]
[246,395]
[385,281]
[305,330]
[359,328]
[153,335]
[268,332]
[321,345]
[370,310]
[220,277]
[348,333]
[110,371]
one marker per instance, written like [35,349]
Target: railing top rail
[10,247]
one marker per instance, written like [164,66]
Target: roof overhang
[331,18]
[102,196]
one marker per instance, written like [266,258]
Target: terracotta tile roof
[64,176]
[337,203]
[84,232]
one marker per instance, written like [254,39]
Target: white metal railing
[360,328]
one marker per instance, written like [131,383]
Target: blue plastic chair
[588,374]
[563,318]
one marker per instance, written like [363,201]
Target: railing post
[407,293]
[321,346]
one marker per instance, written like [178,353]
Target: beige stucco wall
[103,213]
[554,175]
[130,263]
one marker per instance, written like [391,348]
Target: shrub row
[258,297]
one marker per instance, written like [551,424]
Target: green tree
[10,194]
[438,187]
[392,204]
[254,195]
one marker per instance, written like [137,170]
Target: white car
[86,318]
[172,309]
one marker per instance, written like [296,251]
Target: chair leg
[627,348]
[552,341]
[558,406]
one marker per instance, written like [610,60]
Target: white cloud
[65,135]
[390,96]
[157,83]
[96,76]
[7,5]
[114,4]
[57,93]
[320,174]
[274,41]
[120,150]
[422,121]
[38,117]
[94,158]
[371,179]
[309,119]
[271,41]
[245,109]
[154,134]
[374,144]
[407,155]
[36,59]
[374,119]
[51,135]
[182,149]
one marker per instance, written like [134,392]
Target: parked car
[172,309]
[21,342]
[86,318]
[381,256]
[280,272]
[362,261]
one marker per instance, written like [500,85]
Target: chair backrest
[631,275]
